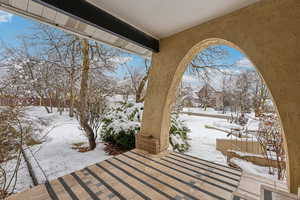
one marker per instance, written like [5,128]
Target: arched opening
[224,103]
[165,75]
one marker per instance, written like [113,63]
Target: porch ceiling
[162,18]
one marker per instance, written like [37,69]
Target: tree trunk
[50,101]
[71,103]
[83,95]
[45,105]
[138,96]
[47,109]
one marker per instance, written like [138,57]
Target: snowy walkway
[203,140]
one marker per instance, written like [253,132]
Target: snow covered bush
[179,134]
[123,121]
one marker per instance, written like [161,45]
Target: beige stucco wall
[269,34]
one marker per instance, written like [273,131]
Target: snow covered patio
[139,175]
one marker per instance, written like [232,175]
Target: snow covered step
[251,184]
[240,196]
[271,193]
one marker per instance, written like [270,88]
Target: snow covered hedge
[123,121]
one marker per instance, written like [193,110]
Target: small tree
[14,132]
[271,139]
[138,80]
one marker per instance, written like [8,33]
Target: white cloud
[121,59]
[189,79]
[244,62]
[5,16]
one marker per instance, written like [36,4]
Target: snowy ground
[203,142]
[64,132]
[55,156]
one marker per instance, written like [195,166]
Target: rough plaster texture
[268,32]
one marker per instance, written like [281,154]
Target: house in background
[210,97]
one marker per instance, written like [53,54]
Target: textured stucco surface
[268,32]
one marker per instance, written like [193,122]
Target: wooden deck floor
[136,175]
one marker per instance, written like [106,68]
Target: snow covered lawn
[55,156]
[203,140]
[203,143]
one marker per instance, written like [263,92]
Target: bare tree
[261,95]
[51,71]
[63,50]
[209,62]
[14,132]
[102,59]
[271,139]
[83,95]
[138,79]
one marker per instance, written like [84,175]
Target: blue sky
[12,26]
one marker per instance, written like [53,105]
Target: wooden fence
[239,145]
[9,101]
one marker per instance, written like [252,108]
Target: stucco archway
[269,33]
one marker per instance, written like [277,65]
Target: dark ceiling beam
[94,16]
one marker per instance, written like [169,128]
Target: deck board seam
[50,191]
[109,187]
[124,183]
[179,180]
[204,169]
[195,177]
[85,187]
[142,181]
[239,175]
[206,161]
[68,189]
[156,179]
[211,177]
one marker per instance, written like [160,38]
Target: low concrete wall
[220,116]
[257,160]
[226,145]
[244,146]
